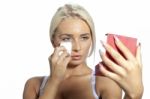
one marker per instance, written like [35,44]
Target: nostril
[76,47]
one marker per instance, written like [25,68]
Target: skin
[70,77]
[127,72]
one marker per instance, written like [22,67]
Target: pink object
[129,42]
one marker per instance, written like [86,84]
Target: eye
[84,37]
[66,39]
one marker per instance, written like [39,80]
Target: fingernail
[103,43]
[100,52]
[116,38]
[60,53]
[139,44]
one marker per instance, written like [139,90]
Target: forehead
[73,25]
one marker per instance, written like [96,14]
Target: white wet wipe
[67,45]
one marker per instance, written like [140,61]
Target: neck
[79,70]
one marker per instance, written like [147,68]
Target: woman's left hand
[127,72]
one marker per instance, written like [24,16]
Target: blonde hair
[72,10]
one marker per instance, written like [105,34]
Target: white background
[25,44]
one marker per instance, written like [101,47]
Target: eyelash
[66,39]
[69,39]
[85,37]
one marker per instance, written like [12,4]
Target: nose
[76,46]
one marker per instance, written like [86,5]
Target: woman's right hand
[58,63]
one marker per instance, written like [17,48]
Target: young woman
[70,77]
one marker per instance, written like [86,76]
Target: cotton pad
[67,45]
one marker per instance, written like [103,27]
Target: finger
[56,53]
[138,55]
[62,57]
[58,50]
[66,60]
[49,59]
[111,65]
[115,55]
[108,74]
[126,52]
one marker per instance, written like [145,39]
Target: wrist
[54,80]
[136,95]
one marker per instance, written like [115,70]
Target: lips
[76,57]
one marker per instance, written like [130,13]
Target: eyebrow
[85,34]
[67,34]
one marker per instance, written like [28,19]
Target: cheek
[86,48]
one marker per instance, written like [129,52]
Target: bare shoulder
[31,87]
[108,88]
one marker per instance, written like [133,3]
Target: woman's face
[77,32]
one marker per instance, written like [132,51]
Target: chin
[75,62]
